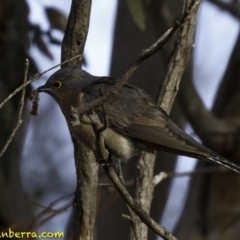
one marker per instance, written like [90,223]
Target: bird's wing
[133,113]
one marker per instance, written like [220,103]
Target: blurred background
[37,180]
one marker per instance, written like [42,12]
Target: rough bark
[86,166]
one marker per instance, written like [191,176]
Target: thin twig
[54,214]
[146,53]
[159,177]
[178,61]
[36,77]
[21,105]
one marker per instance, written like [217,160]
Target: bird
[135,123]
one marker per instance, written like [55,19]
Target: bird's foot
[104,160]
[74,116]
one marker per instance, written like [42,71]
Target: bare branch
[86,166]
[49,212]
[179,60]
[77,30]
[145,187]
[145,54]
[146,181]
[159,177]
[161,231]
[21,105]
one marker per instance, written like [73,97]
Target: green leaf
[137,12]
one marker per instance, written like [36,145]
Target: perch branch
[145,179]
[161,231]
[76,31]
[178,61]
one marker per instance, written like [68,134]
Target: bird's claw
[74,116]
[103,162]
[75,123]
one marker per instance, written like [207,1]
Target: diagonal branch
[161,231]
[76,32]
[93,119]
[179,60]
[145,54]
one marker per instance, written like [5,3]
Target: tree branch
[145,54]
[145,187]
[179,59]
[97,125]
[77,30]
[146,181]
[86,166]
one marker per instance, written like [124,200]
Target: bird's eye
[57,84]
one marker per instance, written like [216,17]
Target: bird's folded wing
[133,113]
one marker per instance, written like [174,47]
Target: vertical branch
[85,195]
[77,30]
[144,189]
[179,59]
[178,62]
[86,166]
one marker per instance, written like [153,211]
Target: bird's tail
[222,162]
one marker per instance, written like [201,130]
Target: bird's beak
[43,89]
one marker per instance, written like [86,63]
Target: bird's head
[66,82]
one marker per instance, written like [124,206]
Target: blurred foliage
[56,18]
[57,21]
[137,11]
[17,34]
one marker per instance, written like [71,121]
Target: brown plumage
[136,123]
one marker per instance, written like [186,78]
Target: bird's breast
[117,144]
[120,146]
